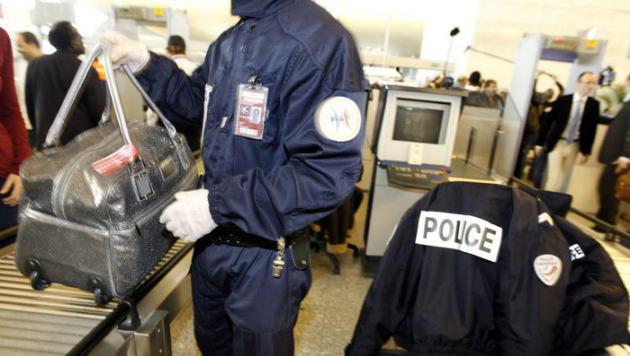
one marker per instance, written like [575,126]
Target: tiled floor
[329,312]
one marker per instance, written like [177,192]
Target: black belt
[233,236]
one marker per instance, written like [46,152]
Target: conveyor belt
[57,319]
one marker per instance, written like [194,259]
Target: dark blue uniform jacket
[435,300]
[294,175]
[595,313]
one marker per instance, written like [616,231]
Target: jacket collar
[257,8]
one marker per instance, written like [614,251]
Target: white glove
[124,50]
[188,217]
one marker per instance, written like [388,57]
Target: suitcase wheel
[38,282]
[100,297]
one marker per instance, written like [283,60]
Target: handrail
[7,236]
[8,232]
[610,229]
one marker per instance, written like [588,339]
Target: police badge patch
[338,119]
[548,269]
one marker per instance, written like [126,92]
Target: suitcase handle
[77,87]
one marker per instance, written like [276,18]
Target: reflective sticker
[545,217]
[548,269]
[576,252]
[465,233]
[338,119]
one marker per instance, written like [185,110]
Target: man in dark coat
[615,154]
[48,79]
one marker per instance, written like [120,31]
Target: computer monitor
[424,120]
[420,122]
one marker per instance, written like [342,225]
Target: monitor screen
[418,124]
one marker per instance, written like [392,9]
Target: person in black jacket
[569,129]
[48,79]
[615,154]
[475,269]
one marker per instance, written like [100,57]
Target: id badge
[251,111]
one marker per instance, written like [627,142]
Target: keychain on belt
[278,262]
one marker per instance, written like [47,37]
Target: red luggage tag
[116,160]
[251,110]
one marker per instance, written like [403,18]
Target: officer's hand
[188,217]
[13,187]
[539,150]
[621,164]
[123,50]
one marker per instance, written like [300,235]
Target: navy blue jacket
[595,313]
[436,300]
[294,175]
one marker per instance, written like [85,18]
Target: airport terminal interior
[314,177]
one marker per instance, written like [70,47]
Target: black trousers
[608,203]
[240,308]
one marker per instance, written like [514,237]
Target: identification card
[251,111]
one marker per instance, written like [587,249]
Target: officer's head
[64,37]
[587,82]
[254,8]
[176,45]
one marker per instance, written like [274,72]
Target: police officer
[281,94]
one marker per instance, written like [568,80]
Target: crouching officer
[281,94]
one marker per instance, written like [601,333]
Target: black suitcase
[90,210]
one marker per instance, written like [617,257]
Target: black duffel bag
[90,210]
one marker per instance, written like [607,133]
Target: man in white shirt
[176,48]
[615,154]
[569,130]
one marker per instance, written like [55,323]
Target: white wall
[501,24]
[491,25]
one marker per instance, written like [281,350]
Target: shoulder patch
[338,119]
[548,269]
